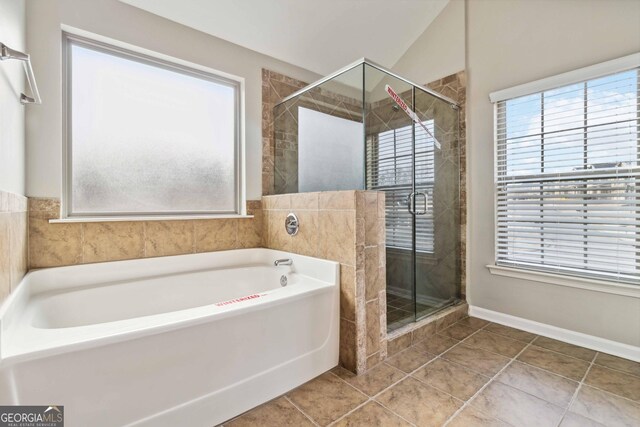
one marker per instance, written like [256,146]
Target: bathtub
[189,340]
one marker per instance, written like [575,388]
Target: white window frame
[72,36]
[580,75]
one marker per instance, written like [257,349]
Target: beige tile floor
[474,374]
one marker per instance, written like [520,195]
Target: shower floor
[400,311]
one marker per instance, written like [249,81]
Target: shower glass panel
[347,132]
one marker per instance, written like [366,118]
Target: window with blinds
[567,179]
[390,169]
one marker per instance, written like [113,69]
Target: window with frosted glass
[148,137]
[568,179]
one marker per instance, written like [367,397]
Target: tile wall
[13,241]
[348,227]
[54,245]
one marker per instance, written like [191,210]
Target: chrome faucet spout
[284,261]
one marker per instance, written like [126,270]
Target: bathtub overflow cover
[291,224]
[283,280]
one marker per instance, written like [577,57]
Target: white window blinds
[567,179]
[390,169]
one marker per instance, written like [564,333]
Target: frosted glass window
[149,138]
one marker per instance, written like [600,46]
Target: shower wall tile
[55,245]
[332,226]
[13,241]
[275,86]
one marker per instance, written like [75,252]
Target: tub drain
[283,280]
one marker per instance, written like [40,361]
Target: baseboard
[589,341]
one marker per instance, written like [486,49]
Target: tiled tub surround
[13,241]
[58,244]
[469,374]
[348,227]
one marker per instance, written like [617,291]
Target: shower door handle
[426,201]
[412,203]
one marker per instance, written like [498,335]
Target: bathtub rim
[15,306]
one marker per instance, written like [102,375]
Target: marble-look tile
[423,332]
[615,382]
[305,242]
[373,327]
[473,417]
[372,415]
[376,379]
[495,343]
[409,360]
[371,271]
[509,332]
[451,378]
[337,200]
[277,237]
[374,360]
[418,403]
[457,331]
[308,201]
[277,413]
[282,201]
[110,241]
[52,245]
[540,383]
[371,218]
[348,345]
[436,344]
[473,322]
[574,420]
[618,363]
[5,255]
[517,407]
[250,231]
[18,240]
[398,344]
[37,204]
[555,362]
[348,292]
[337,234]
[565,348]
[168,238]
[606,408]
[476,359]
[326,398]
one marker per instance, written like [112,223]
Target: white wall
[116,20]
[440,50]
[510,42]
[12,83]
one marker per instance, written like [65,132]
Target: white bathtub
[189,340]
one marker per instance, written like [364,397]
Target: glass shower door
[390,164]
[437,210]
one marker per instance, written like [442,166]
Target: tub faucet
[284,261]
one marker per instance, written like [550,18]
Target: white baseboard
[589,341]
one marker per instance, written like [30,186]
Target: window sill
[572,282]
[143,218]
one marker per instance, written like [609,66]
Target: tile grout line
[575,393]
[300,410]
[406,375]
[491,380]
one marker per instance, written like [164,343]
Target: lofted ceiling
[319,35]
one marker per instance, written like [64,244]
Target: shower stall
[364,127]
